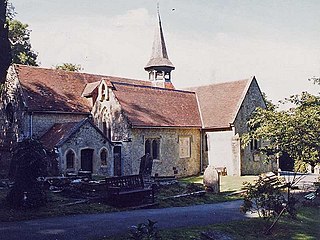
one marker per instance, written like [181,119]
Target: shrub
[263,197]
[28,164]
[144,231]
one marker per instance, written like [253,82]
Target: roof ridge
[220,83]
[75,73]
[152,87]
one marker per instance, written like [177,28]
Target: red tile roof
[219,103]
[58,90]
[157,107]
[58,133]
[61,132]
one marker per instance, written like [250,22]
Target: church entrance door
[86,159]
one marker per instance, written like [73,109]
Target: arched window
[155,149]
[70,159]
[152,147]
[103,157]
[103,92]
[10,112]
[147,147]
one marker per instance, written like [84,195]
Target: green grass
[306,226]
[56,205]
[227,183]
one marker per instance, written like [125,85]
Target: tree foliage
[28,164]
[264,198]
[295,131]
[69,67]
[19,37]
[5,55]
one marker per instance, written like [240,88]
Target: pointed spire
[159,56]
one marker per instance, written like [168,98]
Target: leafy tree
[28,164]
[69,67]
[19,37]
[5,55]
[295,131]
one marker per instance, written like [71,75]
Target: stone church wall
[169,163]
[87,138]
[42,122]
[252,162]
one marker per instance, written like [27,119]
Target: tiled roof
[219,103]
[58,90]
[157,107]
[58,133]
[61,132]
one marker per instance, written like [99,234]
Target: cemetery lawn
[306,226]
[60,205]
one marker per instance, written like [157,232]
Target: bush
[144,231]
[28,164]
[264,198]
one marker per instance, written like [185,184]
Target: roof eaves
[71,132]
[243,95]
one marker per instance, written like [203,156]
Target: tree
[27,165]
[5,55]
[19,37]
[295,131]
[69,67]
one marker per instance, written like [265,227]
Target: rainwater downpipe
[201,147]
[30,125]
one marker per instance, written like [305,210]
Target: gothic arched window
[147,147]
[70,159]
[103,157]
[155,149]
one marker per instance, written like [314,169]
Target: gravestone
[211,179]
[146,168]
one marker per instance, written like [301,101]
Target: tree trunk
[5,50]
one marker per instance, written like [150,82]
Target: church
[105,124]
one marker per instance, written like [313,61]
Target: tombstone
[211,179]
[146,166]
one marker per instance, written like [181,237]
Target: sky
[208,41]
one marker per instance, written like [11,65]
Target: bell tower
[159,66]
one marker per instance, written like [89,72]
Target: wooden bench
[128,190]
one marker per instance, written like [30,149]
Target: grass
[57,204]
[305,227]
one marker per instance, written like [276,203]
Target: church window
[104,93]
[155,149]
[106,130]
[147,147]
[10,113]
[184,146]
[152,147]
[254,144]
[70,159]
[103,157]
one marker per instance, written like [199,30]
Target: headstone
[146,165]
[211,179]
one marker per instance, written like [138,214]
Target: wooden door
[86,160]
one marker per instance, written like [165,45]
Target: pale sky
[208,41]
